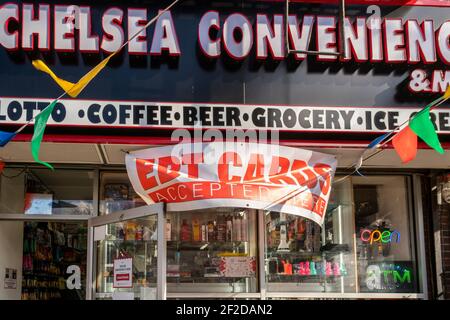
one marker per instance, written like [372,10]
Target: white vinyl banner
[234,174]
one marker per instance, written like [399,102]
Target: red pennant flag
[405,143]
[2,166]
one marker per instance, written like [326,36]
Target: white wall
[11,248]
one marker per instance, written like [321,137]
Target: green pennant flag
[39,128]
[423,127]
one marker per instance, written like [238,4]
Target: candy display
[48,249]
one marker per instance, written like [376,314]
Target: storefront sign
[10,280]
[141,114]
[380,236]
[392,277]
[373,39]
[249,175]
[237,267]
[123,273]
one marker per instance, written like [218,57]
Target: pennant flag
[41,66]
[72,89]
[405,143]
[378,140]
[423,127]
[84,81]
[6,137]
[447,93]
[39,128]
[2,166]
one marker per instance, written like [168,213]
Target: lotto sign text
[233,174]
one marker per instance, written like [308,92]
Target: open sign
[386,236]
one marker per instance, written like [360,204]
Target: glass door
[128,255]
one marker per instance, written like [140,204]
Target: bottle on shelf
[237,228]
[168,230]
[196,230]
[211,233]
[221,228]
[185,234]
[229,222]
[204,232]
[244,228]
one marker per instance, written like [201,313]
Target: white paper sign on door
[123,273]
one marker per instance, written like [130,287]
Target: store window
[54,261]
[212,250]
[42,191]
[366,244]
[384,236]
[117,193]
[301,256]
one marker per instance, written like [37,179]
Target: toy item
[328,270]
[307,268]
[336,269]
[301,270]
[343,269]
[313,271]
[287,267]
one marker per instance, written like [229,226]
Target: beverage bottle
[185,231]
[221,228]
[204,232]
[244,228]
[168,230]
[237,226]
[210,232]
[229,235]
[196,236]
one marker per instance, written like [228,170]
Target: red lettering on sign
[143,168]
[223,166]
[255,168]
[279,170]
[168,169]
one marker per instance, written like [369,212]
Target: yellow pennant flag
[41,66]
[447,93]
[72,89]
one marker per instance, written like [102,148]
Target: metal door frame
[157,209]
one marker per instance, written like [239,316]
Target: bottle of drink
[229,235]
[211,235]
[244,228]
[221,228]
[196,232]
[168,230]
[204,232]
[237,226]
[185,231]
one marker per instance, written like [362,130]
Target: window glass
[212,251]
[383,235]
[43,191]
[54,261]
[305,257]
[127,259]
[117,193]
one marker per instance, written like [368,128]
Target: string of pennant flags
[404,137]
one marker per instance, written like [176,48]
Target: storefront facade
[202,71]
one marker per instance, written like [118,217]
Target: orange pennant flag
[405,143]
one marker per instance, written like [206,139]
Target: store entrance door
[128,255]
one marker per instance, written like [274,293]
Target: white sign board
[123,273]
